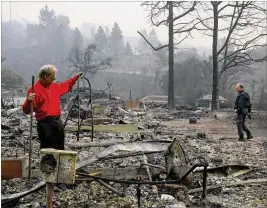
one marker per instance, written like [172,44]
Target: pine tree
[93,34]
[47,17]
[77,39]
[153,38]
[128,49]
[101,40]
[107,32]
[63,20]
[142,44]
[116,40]
[47,30]
[62,37]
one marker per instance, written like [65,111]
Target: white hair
[46,70]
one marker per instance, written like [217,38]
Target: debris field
[130,149]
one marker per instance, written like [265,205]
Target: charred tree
[84,61]
[215,85]
[171,63]
[177,25]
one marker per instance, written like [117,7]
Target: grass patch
[123,128]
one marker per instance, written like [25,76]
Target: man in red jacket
[46,105]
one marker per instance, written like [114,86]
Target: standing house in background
[205,101]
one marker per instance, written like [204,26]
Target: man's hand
[80,74]
[31,97]
[235,110]
[249,116]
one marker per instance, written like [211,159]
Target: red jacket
[47,99]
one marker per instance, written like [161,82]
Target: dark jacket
[242,103]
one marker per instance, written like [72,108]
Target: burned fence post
[138,194]
[205,174]
[49,195]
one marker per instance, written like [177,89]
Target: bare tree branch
[82,60]
[231,28]
[244,47]
[186,12]
[155,49]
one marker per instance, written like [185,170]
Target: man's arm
[249,108]
[26,107]
[249,105]
[66,86]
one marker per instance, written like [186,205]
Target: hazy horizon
[129,15]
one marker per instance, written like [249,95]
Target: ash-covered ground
[213,137]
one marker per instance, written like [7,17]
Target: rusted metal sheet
[135,104]
[11,168]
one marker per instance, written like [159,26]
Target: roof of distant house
[209,97]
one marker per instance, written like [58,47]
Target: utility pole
[171,64]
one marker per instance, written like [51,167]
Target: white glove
[235,110]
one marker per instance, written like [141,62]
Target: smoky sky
[129,15]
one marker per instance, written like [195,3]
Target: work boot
[249,135]
[241,138]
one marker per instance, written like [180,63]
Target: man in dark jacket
[242,109]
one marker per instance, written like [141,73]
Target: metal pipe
[146,166]
[92,116]
[191,170]
[79,111]
[92,109]
[155,166]
[110,188]
[106,185]
[154,188]
[70,111]
[30,142]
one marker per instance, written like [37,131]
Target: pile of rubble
[118,152]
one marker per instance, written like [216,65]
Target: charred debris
[132,154]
